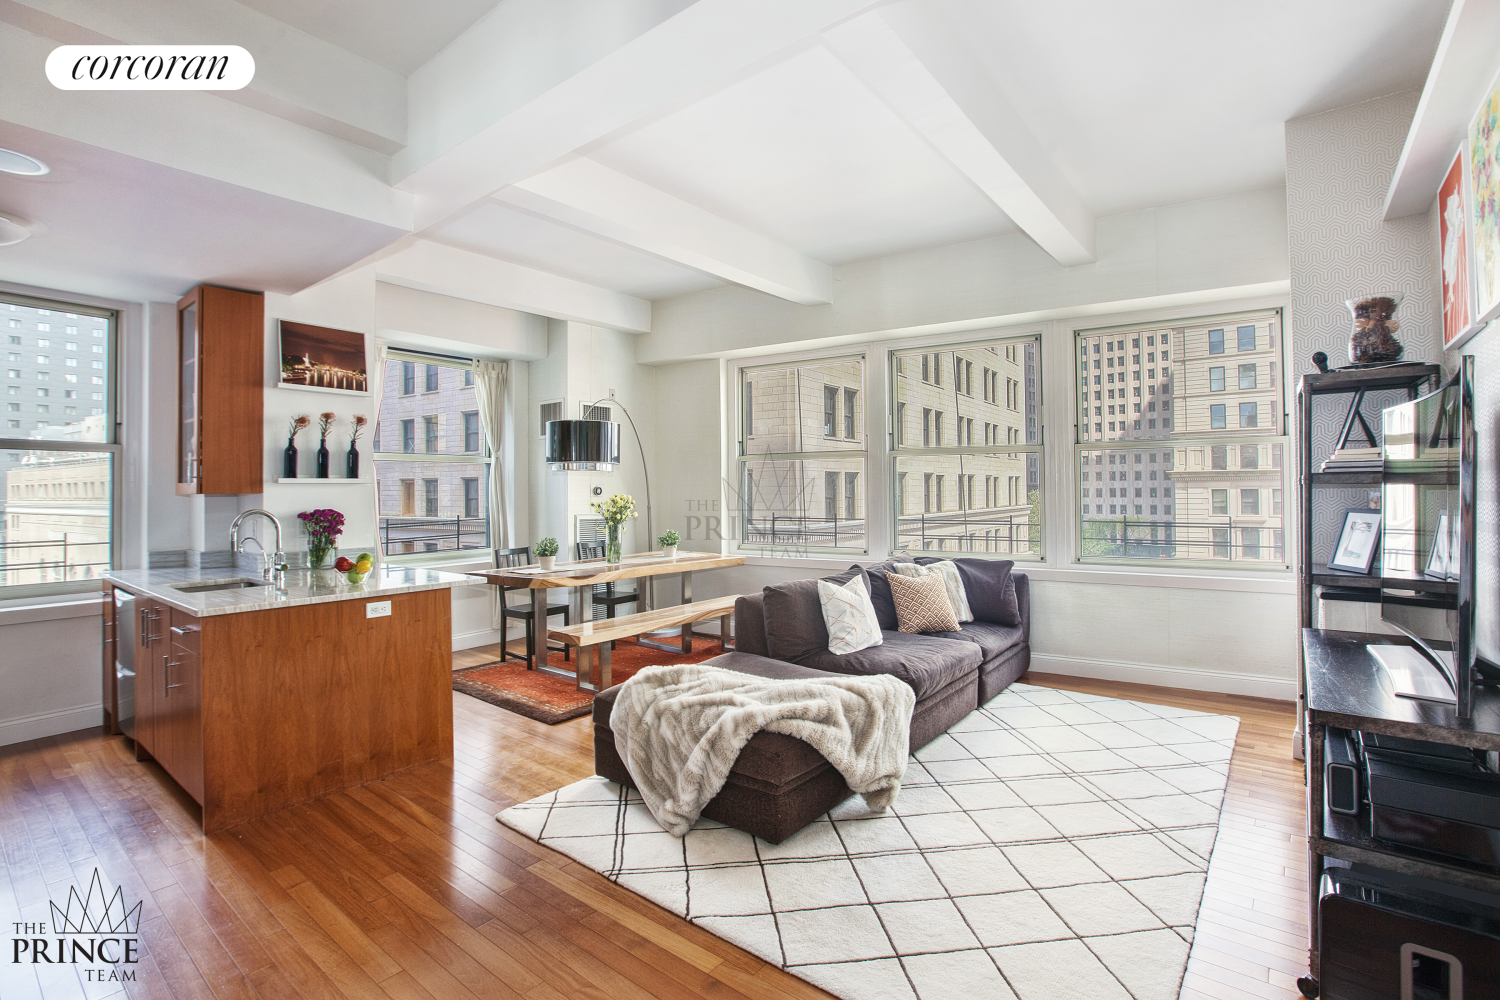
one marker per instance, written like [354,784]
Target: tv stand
[1410,674]
[1346,689]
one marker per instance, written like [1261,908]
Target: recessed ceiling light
[12,162]
[12,231]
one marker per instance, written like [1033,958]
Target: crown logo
[95,914]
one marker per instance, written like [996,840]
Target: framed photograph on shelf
[1358,542]
[325,360]
[1484,204]
[1453,238]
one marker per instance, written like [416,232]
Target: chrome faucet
[274,571]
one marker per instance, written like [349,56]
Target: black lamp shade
[583,445]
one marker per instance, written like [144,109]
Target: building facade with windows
[431,467]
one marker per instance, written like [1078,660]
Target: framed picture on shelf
[1358,542]
[316,357]
[1453,238]
[1484,204]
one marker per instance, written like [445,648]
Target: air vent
[596,412]
[550,411]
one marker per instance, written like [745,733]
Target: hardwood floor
[407,889]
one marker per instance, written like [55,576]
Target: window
[471,495]
[972,502]
[56,470]
[471,430]
[804,450]
[1202,468]
[434,491]
[900,424]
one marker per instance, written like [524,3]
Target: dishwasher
[127,638]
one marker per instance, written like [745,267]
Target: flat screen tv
[1427,533]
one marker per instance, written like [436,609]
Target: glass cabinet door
[189,352]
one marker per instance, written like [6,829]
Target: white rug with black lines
[1052,844]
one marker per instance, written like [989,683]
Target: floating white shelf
[331,480]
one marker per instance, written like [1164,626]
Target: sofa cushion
[922,603]
[991,591]
[794,616]
[880,593]
[848,616]
[926,663]
[991,639]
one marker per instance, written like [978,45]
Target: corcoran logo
[150,67]
[93,929]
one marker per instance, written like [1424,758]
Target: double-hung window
[802,467]
[58,462]
[1157,485]
[937,507]
[434,491]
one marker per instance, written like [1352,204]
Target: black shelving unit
[1413,380]
[1346,690]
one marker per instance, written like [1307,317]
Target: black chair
[604,595]
[510,559]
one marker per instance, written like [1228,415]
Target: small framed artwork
[1358,542]
[1484,204]
[315,357]
[1454,240]
[1440,558]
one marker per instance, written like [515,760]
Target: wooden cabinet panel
[110,691]
[150,673]
[221,392]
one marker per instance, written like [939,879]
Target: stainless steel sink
[201,588]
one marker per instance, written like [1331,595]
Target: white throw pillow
[954,581]
[849,615]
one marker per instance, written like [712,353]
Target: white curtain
[377,385]
[492,393]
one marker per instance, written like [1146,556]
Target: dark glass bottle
[289,460]
[351,464]
[323,459]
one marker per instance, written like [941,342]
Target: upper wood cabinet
[221,391]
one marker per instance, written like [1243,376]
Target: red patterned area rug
[509,685]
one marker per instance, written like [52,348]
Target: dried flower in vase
[296,424]
[325,423]
[358,424]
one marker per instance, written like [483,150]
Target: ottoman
[778,785]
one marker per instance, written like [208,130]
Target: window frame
[111,446]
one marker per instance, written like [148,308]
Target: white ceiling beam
[1462,68]
[298,78]
[924,73]
[589,196]
[434,267]
[702,47]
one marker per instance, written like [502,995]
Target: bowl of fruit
[354,570]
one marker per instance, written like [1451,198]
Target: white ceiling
[399,35]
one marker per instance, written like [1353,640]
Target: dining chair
[604,595]
[511,559]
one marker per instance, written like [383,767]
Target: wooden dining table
[588,573]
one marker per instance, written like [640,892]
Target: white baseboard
[1192,678]
[67,720]
[484,637]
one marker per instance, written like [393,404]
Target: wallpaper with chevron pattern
[1339,167]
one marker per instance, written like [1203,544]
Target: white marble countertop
[298,587]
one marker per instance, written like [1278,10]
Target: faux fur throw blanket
[680,728]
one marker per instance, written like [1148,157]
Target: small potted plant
[668,541]
[546,553]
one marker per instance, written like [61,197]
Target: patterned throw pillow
[922,603]
[946,569]
[849,615]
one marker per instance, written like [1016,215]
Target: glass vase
[612,543]
[323,459]
[321,555]
[289,459]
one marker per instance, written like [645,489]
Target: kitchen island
[255,696]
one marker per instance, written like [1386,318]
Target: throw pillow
[989,586]
[880,594]
[922,603]
[794,616]
[955,584]
[849,616]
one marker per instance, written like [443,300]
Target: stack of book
[1355,460]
